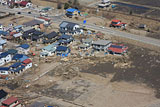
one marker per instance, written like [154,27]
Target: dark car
[29,12]
[18,12]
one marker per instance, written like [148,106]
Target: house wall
[23,51]
[13,105]
[28,66]
[2,62]
[8,58]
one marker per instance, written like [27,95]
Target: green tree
[66,6]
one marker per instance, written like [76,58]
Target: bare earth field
[155,3]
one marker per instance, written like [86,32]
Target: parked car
[18,12]
[29,12]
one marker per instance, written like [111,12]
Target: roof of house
[115,20]
[2,41]
[83,46]
[3,94]
[3,54]
[4,68]
[33,22]
[3,33]
[27,61]
[30,31]
[17,35]
[118,48]
[65,37]
[17,56]
[19,68]
[46,19]
[12,51]
[19,26]
[10,100]
[72,10]
[15,65]
[67,24]
[24,46]
[37,104]
[51,47]
[43,53]
[37,32]
[101,42]
[51,35]
[61,48]
[23,58]
[23,3]
[27,28]
[88,40]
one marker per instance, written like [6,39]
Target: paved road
[107,30]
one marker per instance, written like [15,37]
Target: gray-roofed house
[101,45]
[86,43]
[33,23]
[69,28]
[49,50]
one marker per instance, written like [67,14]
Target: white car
[43,14]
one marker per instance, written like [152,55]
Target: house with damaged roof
[69,28]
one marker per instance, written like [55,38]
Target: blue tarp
[15,65]
[72,10]
[4,68]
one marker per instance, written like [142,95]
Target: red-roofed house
[11,102]
[27,63]
[43,19]
[117,49]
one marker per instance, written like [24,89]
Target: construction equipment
[117,23]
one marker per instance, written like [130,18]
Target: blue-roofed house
[62,51]
[23,49]
[49,50]
[5,58]
[72,12]
[17,68]
[20,57]
[3,33]
[12,52]
[4,71]
[65,39]
[18,28]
